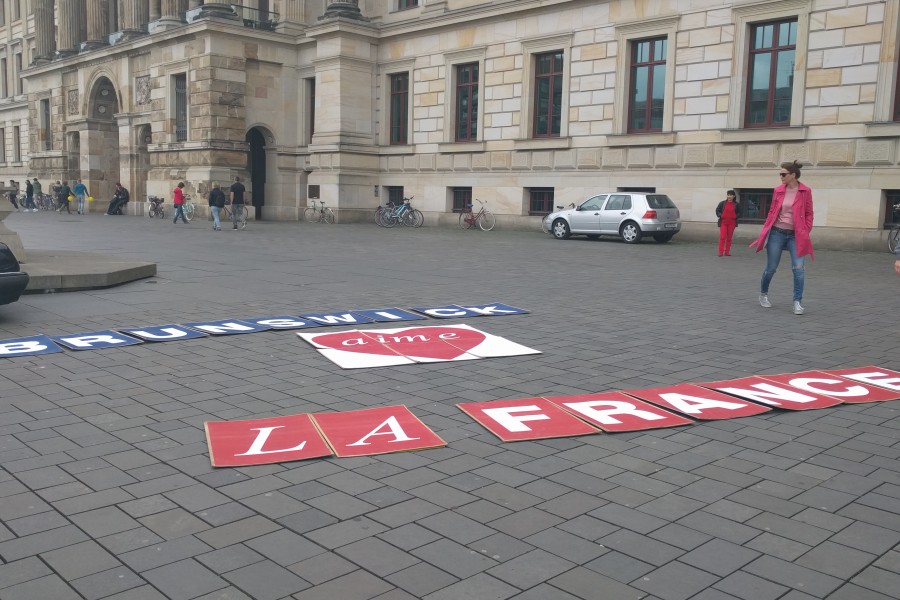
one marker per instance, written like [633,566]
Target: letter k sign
[264,441]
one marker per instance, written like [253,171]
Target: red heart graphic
[442,343]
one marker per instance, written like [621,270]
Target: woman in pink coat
[787,228]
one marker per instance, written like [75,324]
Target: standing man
[178,201]
[81,192]
[236,199]
[216,203]
[62,197]
[37,189]
[29,196]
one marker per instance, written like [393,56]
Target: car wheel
[662,238]
[561,229]
[630,232]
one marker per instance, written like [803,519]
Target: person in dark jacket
[216,203]
[728,211]
[119,200]
[62,197]
[29,196]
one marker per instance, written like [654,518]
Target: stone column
[170,17]
[44,42]
[97,25]
[291,17]
[348,9]
[154,10]
[72,29]
[134,15]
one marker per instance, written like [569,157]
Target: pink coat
[803,219]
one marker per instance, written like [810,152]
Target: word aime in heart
[396,429]
[357,349]
[93,340]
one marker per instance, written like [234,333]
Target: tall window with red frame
[399,108]
[548,85]
[771,76]
[467,102]
[647,85]
[540,201]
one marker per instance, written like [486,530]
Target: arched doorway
[100,141]
[256,167]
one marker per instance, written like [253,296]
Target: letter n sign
[264,441]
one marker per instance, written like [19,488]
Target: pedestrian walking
[787,227]
[80,191]
[178,201]
[236,198]
[38,189]
[728,211]
[13,193]
[216,203]
[29,196]
[63,196]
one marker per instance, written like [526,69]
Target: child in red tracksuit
[728,211]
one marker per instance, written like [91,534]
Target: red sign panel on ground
[526,419]
[885,378]
[844,389]
[375,431]
[615,411]
[698,402]
[263,441]
[774,394]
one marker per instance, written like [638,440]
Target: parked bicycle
[318,215]
[894,234]
[156,207]
[403,213]
[242,215]
[188,207]
[44,202]
[484,218]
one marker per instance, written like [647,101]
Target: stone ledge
[66,271]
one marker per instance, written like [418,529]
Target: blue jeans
[215,213]
[777,243]
[179,212]
[81,198]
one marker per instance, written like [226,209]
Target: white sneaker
[798,310]
[764,301]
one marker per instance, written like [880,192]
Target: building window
[17,144]
[44,131]
[897,94]
[891,208]
[548,87]
[467,102]
[771,74]
[2,145]
[755,204]
[311,115]
[4,90]
[179,82]
[2,12]
[16,10]
[540,201]
[395,195]
[404,4]
[646,98]
[18,75]
[462,199]
[399,108]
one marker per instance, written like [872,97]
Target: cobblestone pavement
[106,489]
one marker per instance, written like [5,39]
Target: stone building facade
[528,104]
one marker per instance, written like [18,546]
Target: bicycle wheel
[328,216]
[486,220]
[152,212]
[378,215]
[418,217]
[894,238]
[189,211]
[310,215]
[407,218]
[463,222]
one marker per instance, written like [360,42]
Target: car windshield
[659,201]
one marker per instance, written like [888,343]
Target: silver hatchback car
[630,215]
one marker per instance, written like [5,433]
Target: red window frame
[399,134]
[755,204]
[548,80]
[466,104]
[540,201]
[647,56]
[773,40]
[462,199]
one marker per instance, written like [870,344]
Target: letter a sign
[375,431]
[264,441]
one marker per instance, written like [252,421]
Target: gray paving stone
[22,505]
[174,523]
[229,558]
[789,528]
[184,580]
[377,556]
[79,560]
[50,586]
[106,583]
[628,518]
[357,585]
[405,512]
[716,526]
[421,579]
[675,581]
[638,546]
[878,580]
[777,546]
[834,559]
[584,583]
[620,567]
[237,532]
[794,576]
[345,532]
[266,581]
[284,547]
[120,543]
[20,571]
[525,522]
[719,557]
[457,560]
[163,553]
[456,527]
[37,543]
[750,587]
[481,586]
[37,523]
[323,567]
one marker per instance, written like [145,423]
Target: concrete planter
[9,237]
